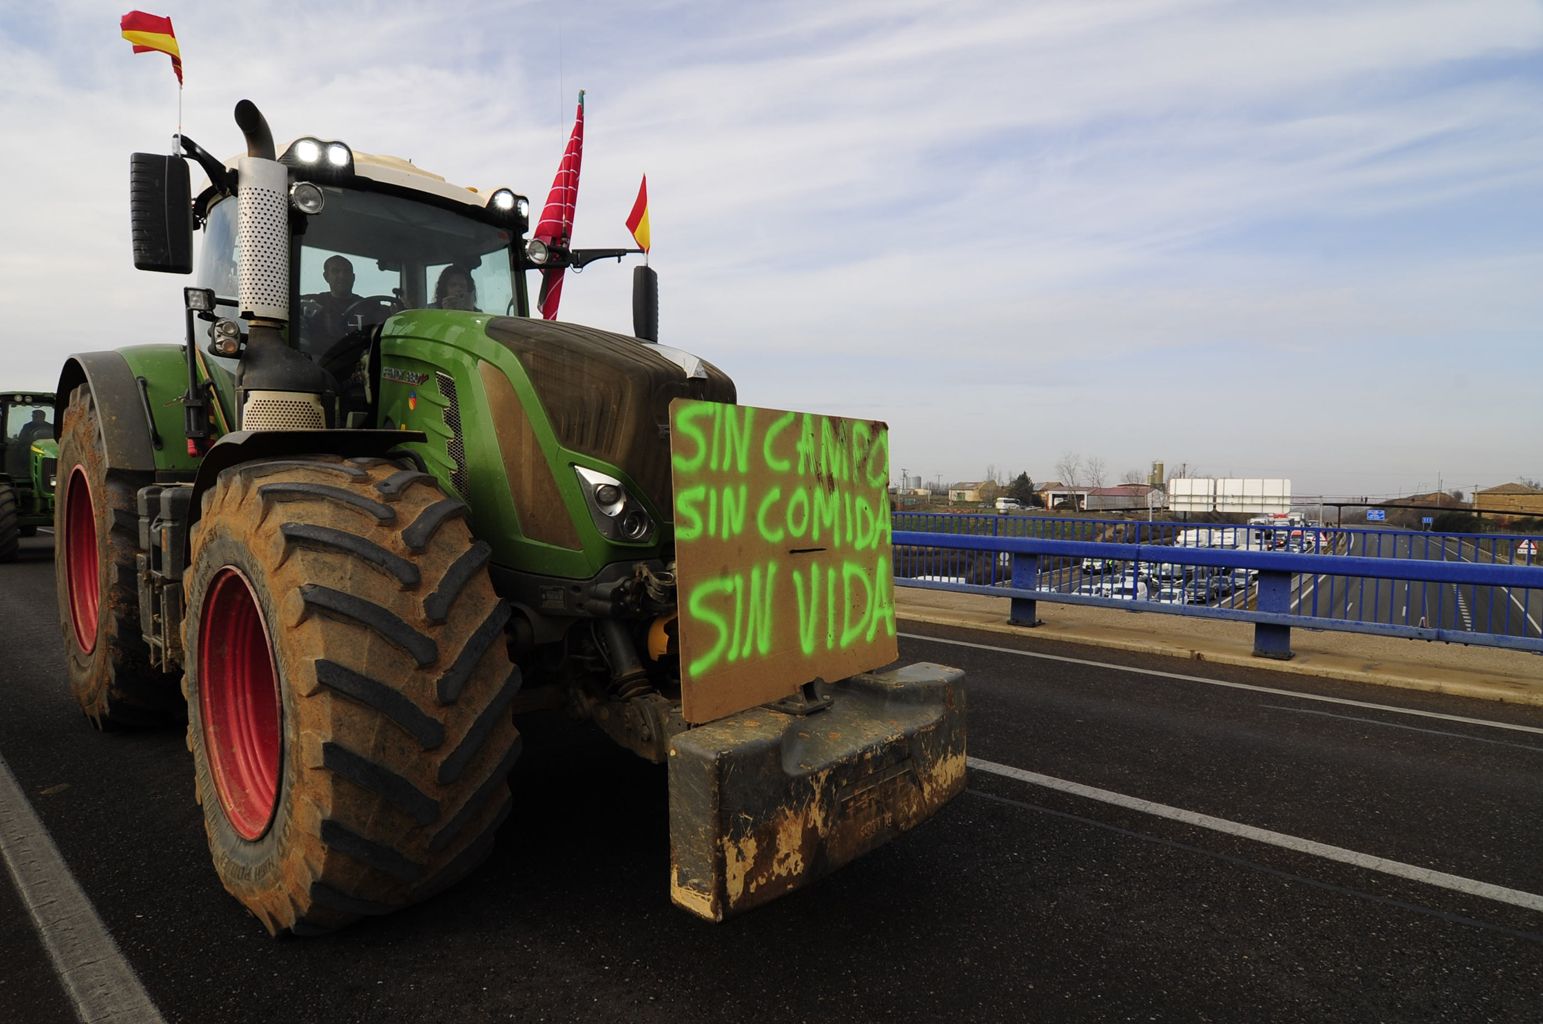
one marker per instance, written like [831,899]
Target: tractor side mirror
[645,304]
[160,213]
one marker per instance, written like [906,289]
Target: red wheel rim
[81,569]
[238,699]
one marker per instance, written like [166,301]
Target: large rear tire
[9,528]
[348,689]
[96,536]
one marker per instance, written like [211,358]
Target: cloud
[1009,230]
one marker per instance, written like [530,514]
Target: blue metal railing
[1484,589]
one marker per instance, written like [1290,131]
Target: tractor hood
[608,395]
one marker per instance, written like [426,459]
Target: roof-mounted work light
[509,209]
[326,161]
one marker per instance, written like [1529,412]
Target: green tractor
[27,457]
[370,509]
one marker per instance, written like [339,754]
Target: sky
[1251,239]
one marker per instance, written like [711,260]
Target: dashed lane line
[1366,861]
[98,980]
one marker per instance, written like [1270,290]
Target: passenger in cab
[455,289]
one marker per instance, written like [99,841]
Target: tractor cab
[28,456]
[25,417]
[372,236]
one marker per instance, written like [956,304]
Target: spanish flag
[637,220]
[151,33]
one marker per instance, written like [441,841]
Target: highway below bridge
[1143,838]
[1459,608]
[1503,610]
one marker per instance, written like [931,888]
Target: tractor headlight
[616,514]
[225,338]
[307,198]
[635,525]
[537,252]
[609,498]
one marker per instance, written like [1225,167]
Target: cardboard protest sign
[783,555]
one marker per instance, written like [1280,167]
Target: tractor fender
[115,391]
[137,391]
[250,445]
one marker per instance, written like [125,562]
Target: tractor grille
[282,410]
[457,444]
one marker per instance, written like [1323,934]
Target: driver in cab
[325,312]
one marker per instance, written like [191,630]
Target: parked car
[1200,590]
[1126,589]
[1009,505]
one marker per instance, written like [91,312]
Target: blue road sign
[1376,515]
[1427,520]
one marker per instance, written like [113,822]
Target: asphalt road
[1504,610]
[1025,899]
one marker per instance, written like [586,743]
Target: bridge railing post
[1270,639]
[1025,577]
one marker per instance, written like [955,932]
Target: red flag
[150,33]
[556,223]
[637,220]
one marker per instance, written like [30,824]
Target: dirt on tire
[394,682]
[114,681]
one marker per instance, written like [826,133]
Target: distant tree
[1069,468]
[1022,488]
[989,489]
[1133,476]
[1096,472]
[1456,494]
[1527,481]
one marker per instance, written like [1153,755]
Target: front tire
[96,530]
[9,529]
[348,689]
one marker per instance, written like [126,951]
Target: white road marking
[1411,728]
[1508,592]
[99,981]
[1412,872]
[1227,684]
[1462,609]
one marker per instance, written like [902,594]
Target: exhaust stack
[279,388]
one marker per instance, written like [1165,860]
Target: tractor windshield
[23,420]
[367,255]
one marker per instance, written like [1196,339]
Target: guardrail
[1377,542]
[1273,589]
